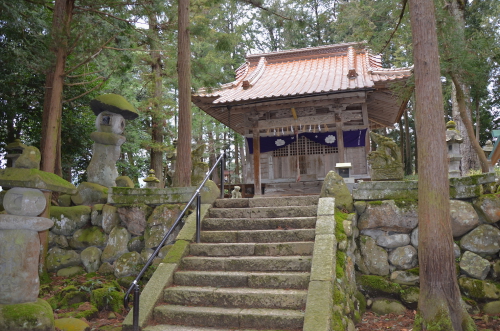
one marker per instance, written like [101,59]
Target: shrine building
[305,111]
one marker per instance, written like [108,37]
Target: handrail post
[222,175]
[135,322]
[198,218]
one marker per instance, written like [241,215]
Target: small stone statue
[385,162]
[111,110]
[236,194]
[453,139]
[151,180]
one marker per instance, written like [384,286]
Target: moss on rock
[108,298]
[33,316]
[377,285]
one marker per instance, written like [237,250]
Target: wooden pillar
[340,134]
[366,123]
[256,162]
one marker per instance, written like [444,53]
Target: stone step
[165,327]
[231,297]
[247,249]
[230,318]
[268,202]
[258,223]
[284,280]
[264,212]
[248,263]
[257,236]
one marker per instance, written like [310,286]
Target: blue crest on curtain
[269,144]
[323,138]
[354,138]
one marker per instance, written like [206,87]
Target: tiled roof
[334,68]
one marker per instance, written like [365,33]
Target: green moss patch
[177,252]
[377,285]
[32,316]
[108,298]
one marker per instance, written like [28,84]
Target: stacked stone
[20,243]
[388,247]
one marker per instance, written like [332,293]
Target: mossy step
[165,327]
[258,223]
[257,236]
[248,263]
[230,297]
[248,249]
[268,202]
[284,280]
[264,212]
[230,318]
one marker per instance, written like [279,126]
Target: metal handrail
[197,195]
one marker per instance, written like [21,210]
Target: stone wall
[115,238]
[386,251]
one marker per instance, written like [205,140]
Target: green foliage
[108,298]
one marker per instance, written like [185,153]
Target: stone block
[319,306]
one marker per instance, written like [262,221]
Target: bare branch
[105,14]
[134,49]
[86,82]
[397,25]
[91,57]
[85,74]
[92,89]
[258,4]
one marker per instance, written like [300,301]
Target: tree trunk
[470,157]
[63,10]
[439,306]
[408,167]
[52,108]
[156,113]
[468,125]
[183,166]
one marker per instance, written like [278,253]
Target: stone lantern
[19,239]
[111,110]
[14,149]
[453,139]
[151,180]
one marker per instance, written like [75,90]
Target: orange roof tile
[343,67]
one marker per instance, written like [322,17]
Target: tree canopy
[129,47]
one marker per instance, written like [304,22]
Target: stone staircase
[251,271]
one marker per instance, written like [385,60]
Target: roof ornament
[255,75]
[351,61]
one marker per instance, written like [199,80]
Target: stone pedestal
[102,168]
[20,248]
[453,140]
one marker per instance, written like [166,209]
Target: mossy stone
[377,285]
[92,236]
[386,306]
[114,103]
[479,290]
[107,298]
[70,271]
[124,181]
[34,178]
[71,324]
[69,296]
[31,316]
[334,186]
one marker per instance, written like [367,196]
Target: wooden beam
[256,164]
[288,122]
[268,105]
